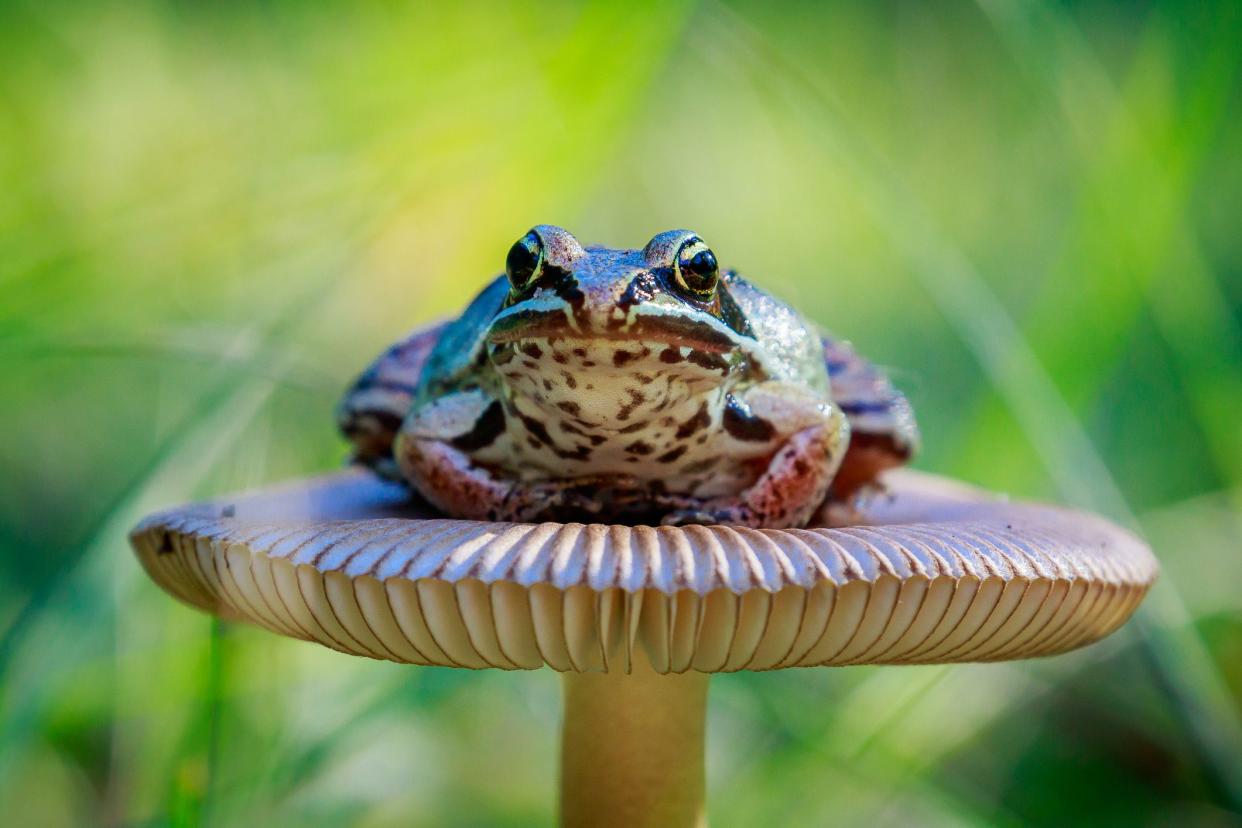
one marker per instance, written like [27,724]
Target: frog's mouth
[669,329]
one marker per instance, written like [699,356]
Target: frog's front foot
[789,491]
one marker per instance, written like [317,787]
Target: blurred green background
[211,215]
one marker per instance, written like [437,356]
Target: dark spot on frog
[385,420]
[536,429]
[639,448]
[670,456]
[374,382]
[730,313]
[532,350]
[570,408]
[701,465]
[743,425]
[858,407]
[578,453]
[569,379]
[530,364]
[632,427]
[547,385]
[485,430]
[621,357]
[701,419]
[712,362]
[643,288]
[580,353]
[597,439]
[533,443]
[564,285]
[671,356]
[559,357]
[636,399]
[644,379]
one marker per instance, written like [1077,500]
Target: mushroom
[638,618]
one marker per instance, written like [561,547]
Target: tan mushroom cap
[935,572]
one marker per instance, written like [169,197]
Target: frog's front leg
[800,471]
[436,447]
[451,450]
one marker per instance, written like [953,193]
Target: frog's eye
[525,261]
[695,271]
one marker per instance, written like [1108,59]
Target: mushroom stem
[632,748]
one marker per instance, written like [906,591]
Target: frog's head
[661,312]
[670,293]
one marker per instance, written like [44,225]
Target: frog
[640,386]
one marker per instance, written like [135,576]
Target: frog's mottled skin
[626,385]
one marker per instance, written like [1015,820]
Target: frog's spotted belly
[649,411]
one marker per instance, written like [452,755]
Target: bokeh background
[211,215]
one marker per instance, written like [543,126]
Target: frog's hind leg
[370,413]
[791,488]
[882,426]
[447,478]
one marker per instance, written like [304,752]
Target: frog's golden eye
[525,261]
[695,270]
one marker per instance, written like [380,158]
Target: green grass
[214,215]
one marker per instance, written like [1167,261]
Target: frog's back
[883,432]
[459,346]
[790,341]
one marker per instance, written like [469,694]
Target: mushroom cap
[931,572]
